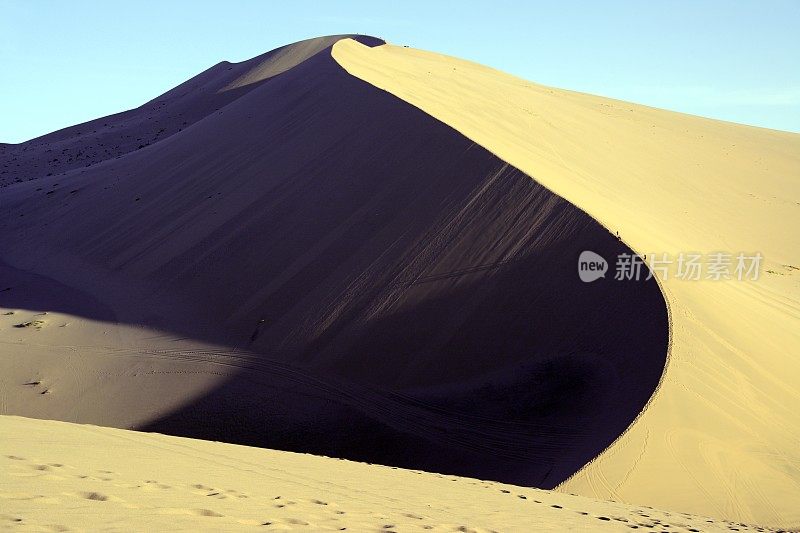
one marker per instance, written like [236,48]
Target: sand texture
[56,476]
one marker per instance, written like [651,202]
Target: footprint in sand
[154,483]
[11,518]
[95,496]
[207,512]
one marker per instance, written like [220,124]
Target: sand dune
[722,436]
[319,266]
[278,253]
[56,476]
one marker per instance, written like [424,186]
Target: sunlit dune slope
[56,476]
[722,435]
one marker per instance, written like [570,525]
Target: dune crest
[84,145]
[722,434]
[319,266]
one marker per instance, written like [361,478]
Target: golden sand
[722,434]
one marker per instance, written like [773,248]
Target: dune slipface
[348,275]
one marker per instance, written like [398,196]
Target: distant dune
[352,249]
[111,137]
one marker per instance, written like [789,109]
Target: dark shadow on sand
[402,295]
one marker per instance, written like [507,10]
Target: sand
[277,253]
[319,266]
[722,434]
[56,476]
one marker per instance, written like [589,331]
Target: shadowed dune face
[392,292]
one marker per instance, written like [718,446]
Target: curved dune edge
[409,301]
[60,476]
[721,435]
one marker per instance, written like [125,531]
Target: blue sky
[68,62]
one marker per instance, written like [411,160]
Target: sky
[68,62]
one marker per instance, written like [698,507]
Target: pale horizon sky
[66,63]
